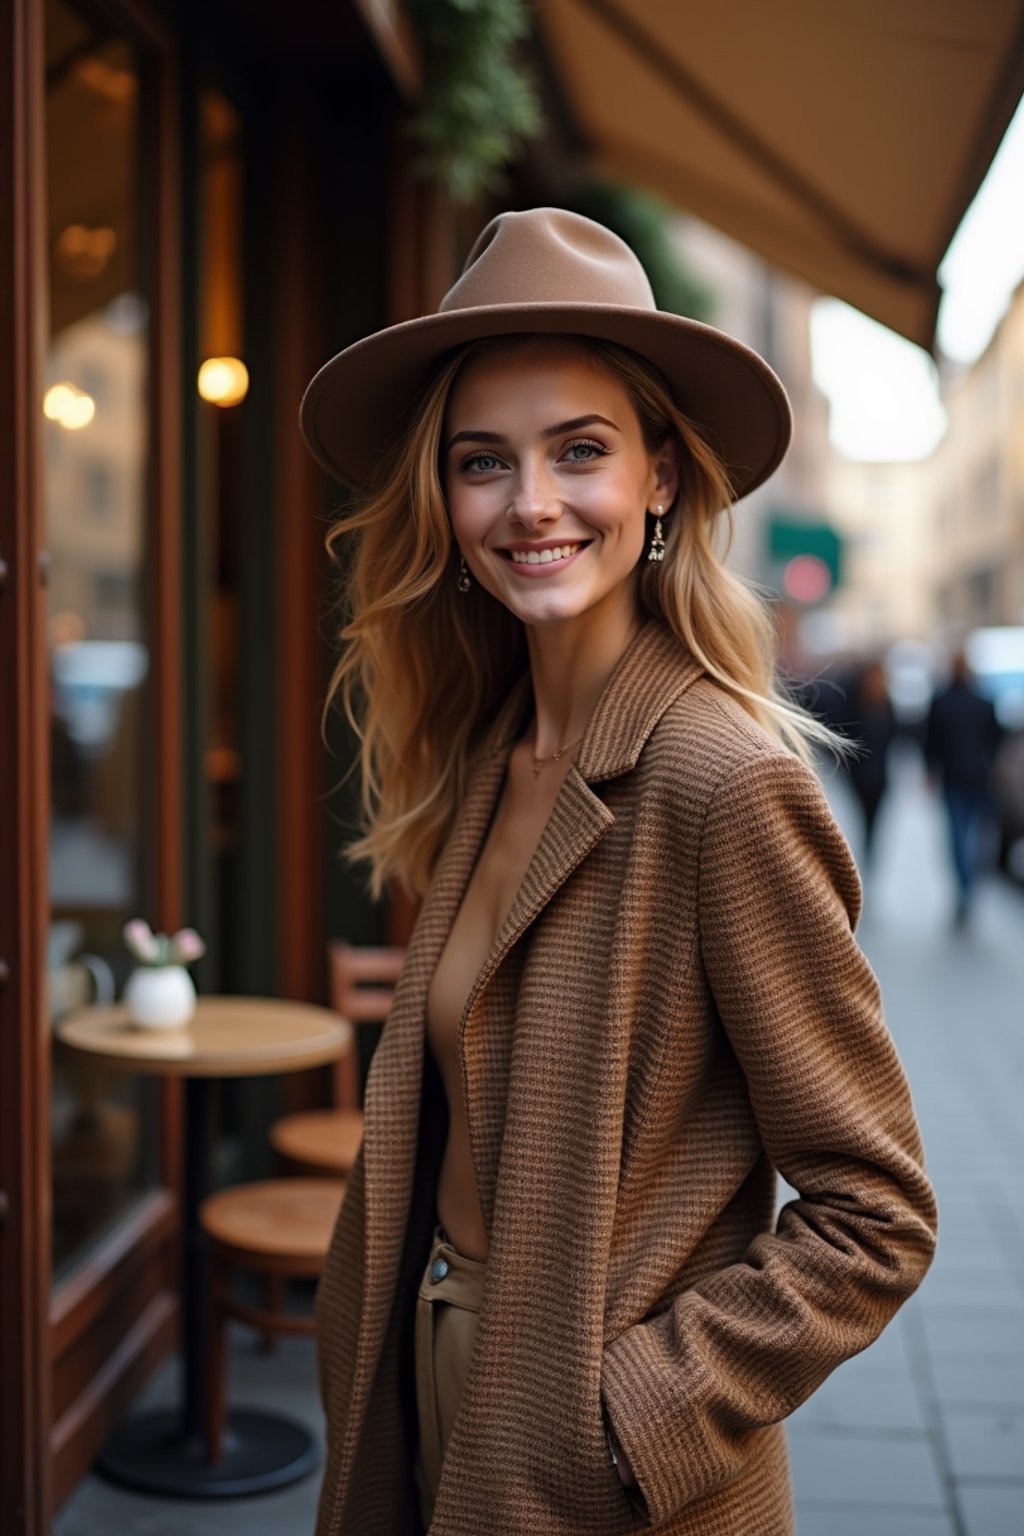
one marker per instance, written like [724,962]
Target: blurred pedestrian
[961,742]
[871,722]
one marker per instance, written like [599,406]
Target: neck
[571,662]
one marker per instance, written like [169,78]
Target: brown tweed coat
[675,1007]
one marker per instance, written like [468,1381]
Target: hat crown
[549,256]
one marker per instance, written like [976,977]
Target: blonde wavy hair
[424,667]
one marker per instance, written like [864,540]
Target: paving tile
[991,1509]
[989,1329]
[981,1249]
[98,1509]
[968,1216]
[872,1401]
[970,1286]
[985,1444]
[987,1381]
[894,1470]
[831,1520]
[284,1381]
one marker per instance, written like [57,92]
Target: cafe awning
[842,142]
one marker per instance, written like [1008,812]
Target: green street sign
[789,537]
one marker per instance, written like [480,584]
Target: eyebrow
[471,435]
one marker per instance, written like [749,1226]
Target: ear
[667,469]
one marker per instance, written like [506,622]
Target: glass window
[105,1123]
[98,489]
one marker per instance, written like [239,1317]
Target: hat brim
[360,401]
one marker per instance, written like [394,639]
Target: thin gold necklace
[538,762]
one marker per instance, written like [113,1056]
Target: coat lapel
[578,819]
[651,674]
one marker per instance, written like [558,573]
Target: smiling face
[547,479]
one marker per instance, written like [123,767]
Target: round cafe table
[164,1450]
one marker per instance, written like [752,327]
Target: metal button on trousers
[447,1305]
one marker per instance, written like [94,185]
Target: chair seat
[327,1139]
[278,1218]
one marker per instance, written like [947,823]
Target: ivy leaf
[479,103]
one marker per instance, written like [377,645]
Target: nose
[535,501]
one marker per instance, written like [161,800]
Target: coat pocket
[626,1509]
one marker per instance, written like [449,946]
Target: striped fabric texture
[675,1008]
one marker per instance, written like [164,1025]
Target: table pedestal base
[151,1453]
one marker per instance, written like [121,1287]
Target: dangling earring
[464,582]
[657,549]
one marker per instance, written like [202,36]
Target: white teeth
[542,556]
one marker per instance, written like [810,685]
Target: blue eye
[595,449]
[473,462]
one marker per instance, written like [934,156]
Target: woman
[556,1300]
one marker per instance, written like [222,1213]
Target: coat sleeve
[779,896]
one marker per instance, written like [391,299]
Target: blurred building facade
[976,488]
[883,512]
[771,311]
[935,547]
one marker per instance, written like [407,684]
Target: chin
[552,608]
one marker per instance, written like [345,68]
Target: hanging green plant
[479,103]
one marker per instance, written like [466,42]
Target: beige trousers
[447,1305]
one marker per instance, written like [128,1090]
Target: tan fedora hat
[547,271]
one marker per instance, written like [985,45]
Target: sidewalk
[923,1434]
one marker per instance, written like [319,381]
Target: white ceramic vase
[160,996]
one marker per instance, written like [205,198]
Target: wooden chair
[325,1141]
[279,1229]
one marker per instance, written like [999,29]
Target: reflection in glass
[221,390]
[96,410]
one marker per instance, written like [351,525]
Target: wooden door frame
[44,1332]
[24,768]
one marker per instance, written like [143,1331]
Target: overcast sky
[883,390]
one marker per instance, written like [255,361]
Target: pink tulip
[139,938]
[188,945]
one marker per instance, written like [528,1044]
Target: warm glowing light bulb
[79,413]
[56,401]
[69,406]
[223,380]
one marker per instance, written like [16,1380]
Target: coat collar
[651,674]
